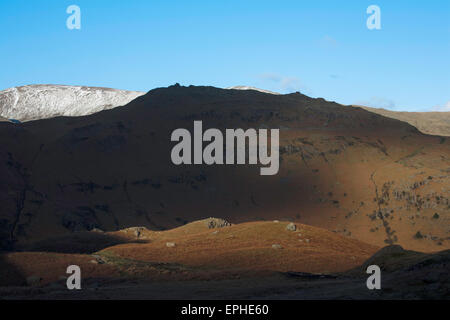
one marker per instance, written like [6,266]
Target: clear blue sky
[320,48]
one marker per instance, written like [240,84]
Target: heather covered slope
[345,169]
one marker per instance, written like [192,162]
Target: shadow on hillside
[78,243]
[10,275]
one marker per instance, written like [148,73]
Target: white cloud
[445,107]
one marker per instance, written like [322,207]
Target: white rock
[291,227]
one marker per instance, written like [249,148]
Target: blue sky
[320,48]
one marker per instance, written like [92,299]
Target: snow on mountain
[47,101]
[252,88]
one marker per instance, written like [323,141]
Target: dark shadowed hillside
[345,169]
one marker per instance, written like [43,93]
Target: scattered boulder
[170,244]
[136,231]
[276,221]
[98,259]
[277,246]
[213,223]
[291,227]
[97,230]
[307,240]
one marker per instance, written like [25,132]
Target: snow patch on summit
[35,102]
[252,88]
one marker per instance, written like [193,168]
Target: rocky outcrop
[214,223]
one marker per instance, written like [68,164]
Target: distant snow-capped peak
[252,88]
[47,101]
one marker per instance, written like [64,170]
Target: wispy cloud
[378,102]
[284,84]
[328,42]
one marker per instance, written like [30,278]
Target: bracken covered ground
[189,252]
[244,261]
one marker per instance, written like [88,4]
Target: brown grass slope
[236,261]
[435,123]
[348,170]
[198,253]
[249,246]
